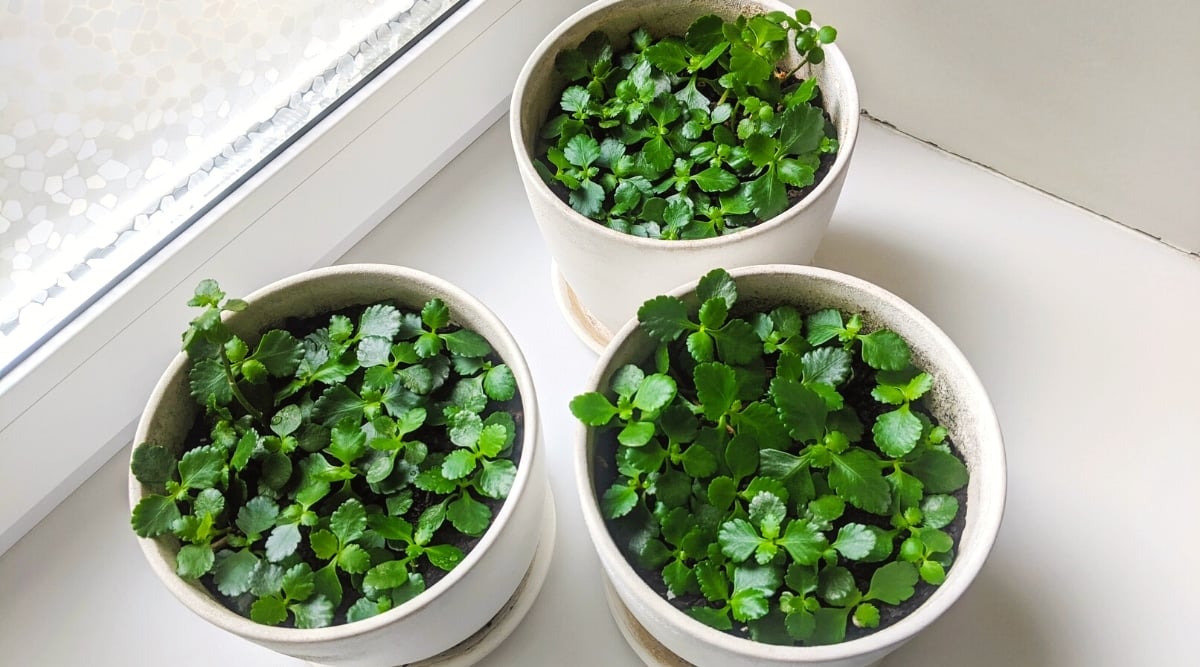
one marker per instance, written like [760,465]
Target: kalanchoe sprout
[775,473]
[336,470]
[693,136]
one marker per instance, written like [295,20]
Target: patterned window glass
[121,121]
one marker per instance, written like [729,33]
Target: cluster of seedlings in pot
[774,474]
[692,137]
[339,466]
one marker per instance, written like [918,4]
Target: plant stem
[793,72]
[237,393]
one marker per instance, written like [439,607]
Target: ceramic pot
[662,634]
[496,582]
[606,274]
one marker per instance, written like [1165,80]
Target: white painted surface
[318,199]
[1081,331]
[1094,101]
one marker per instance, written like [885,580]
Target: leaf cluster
[776,471]
[332,473]
[689,137]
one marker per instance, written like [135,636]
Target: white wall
[1096,102]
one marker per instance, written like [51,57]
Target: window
[321,193]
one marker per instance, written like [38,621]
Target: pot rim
[967,562]
[836,64]
[199,600]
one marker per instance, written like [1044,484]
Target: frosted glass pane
[121,120]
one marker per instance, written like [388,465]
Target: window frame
[74,402]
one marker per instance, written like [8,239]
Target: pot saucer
[591,331]
[476,647]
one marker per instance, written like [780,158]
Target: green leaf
[713,583]
[379,320]
[257,516]
[749,67]
[497,478]
[280,352]
[716,179]
[208,293]
[716,387]
[348,521]
[907,489]
[802,130]
[800,624]
[933,572]
[245,448]
[234,572]
[668,55]
[465,428]
[152,465]
[827,365]
[830,626]
[458,464]
[326,584]
[337,403]
[654,393]
[737,343]
[889,395]
[796,173]
[738,539]
[885,350]
[347,441]
[866,615]
[664,318]
[698,461]
[893,583]
[435,314]
[742,456]
[588,199]
[748,604]
[282,542]
[761,421]
[803,543]
[582,150]
[593,409]
[365,608]
[354,559]
[856,477]
[939,471]
[767,510]
[713,313]
[202,468]
[677,576]
[827,509]
[618,501]
[836,586]
[717,284]
[721,492]
[269,610]
[467,343]
[715,618]
[387,575]
[207,378]
[373,351]
[316,612]
[575,98]
[823,325]
[428,345]
[323,544]
[700,346]
[658,154]
[444,556]
[208,502]
[469,516]
[194,561]
[802,410]
[499,383]
[897,432]
[918,386]
[939,510]
[854,541]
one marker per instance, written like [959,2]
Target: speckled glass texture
[120,120]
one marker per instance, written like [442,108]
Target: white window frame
[75,401]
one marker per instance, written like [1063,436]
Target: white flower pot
[605,274]
[465,614]
[664,635]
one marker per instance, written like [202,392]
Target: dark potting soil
[436,440]
[857,394]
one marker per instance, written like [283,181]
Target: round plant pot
[664,635]
[606,274]
[464,615]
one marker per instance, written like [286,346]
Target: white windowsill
[1081,331]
